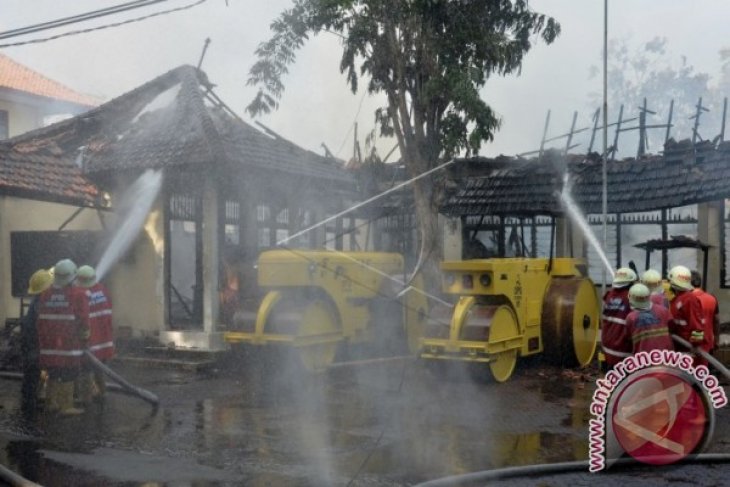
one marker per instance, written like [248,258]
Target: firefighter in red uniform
[653,280]
[91,383]
[648,323]
[710,312]
[615,340]
[686,310]
[63,332]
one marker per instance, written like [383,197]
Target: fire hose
[551,469]
[120,384]
[15,480]
[133,390]
[716,363]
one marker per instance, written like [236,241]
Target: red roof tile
[15,76]
[44,176]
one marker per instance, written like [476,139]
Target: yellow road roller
[317,300]
[510,307]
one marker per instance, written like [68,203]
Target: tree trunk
[426,204]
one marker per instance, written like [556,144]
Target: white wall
[18,214]
[21,118]
[136,281]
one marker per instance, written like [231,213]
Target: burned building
[682,193]
[228,191]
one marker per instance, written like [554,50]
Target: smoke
[135,205]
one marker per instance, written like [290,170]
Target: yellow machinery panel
[515,306]
[317,299]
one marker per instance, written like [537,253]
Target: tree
[429,57]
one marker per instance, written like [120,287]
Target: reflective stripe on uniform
[680,322]
[65,353]
[613,319]
[99,346]
[616,353]
[51,317]
[103,312]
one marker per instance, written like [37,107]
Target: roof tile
[15,76]
[651,183]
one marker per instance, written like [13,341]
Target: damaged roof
[174,120]
[684,174]
[44,177]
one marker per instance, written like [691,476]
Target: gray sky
[317,105]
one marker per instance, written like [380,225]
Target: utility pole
[604,169]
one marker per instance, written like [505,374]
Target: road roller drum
[515,307]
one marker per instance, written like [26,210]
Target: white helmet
[64,272]
[86,276]
[639,297]
[680,278]
[651,279]
[623,277]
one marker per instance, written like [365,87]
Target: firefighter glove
[697,336]
[84,334]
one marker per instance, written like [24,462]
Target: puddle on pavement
[387,426]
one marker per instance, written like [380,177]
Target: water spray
[135,206]
[577,217]
[406,285]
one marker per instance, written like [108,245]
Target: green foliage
[429,57]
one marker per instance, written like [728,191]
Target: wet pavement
[251,422]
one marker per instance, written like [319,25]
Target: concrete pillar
[709,226]
[210,256]
[320,233]
[248,222]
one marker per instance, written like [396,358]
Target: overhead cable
[77,18]
[106,26]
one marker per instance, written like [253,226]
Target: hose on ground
[716,363]
[551,469]
[133,390]
[13,479]
[110,386]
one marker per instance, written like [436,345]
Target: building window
[232,228]
[626,230]
[4,126]
[492,236]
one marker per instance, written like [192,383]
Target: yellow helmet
[40,281]
[680,278]
[639,297]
